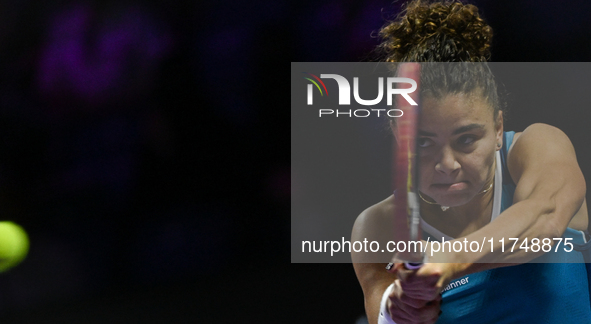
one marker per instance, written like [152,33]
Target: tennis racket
[407,219]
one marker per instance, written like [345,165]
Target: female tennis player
[478,181]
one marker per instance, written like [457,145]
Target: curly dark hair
[437,32]
[446,31]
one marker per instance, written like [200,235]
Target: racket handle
[412,266]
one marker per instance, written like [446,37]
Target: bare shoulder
[539,136]
[374,225]
[515,137]
[543,163]
[374,219]
[539,145]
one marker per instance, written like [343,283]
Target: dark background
[144,149]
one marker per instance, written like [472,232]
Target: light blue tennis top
[528,293]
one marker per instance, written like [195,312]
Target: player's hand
[427,282]
[405,309]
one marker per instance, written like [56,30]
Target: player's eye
[424,142]
[466,140]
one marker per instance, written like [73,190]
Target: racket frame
[407,219]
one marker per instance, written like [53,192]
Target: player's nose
[447,162]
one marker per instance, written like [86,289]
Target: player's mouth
[453,186]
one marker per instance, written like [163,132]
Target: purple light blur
[94,58]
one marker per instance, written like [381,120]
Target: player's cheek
[484,156]
[426,174]
[475,165]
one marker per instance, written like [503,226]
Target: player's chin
[454,200]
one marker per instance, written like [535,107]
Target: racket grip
[412,266]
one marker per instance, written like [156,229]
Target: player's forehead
[451,112]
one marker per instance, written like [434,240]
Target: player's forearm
[374,279]
[373,297]
[501,240]
[372,304]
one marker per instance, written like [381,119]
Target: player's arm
[375,224]
[550,191]
[374,280]
[373,277]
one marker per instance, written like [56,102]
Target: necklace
[444,208]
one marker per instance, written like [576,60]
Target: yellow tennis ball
[14,245]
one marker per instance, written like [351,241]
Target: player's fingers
[400,315]
[404,309]
[417,302]
[404,274]
[421,284]
[427,314]
[399,310]
[412,302]
[426,275]
[430,313]
[419,291]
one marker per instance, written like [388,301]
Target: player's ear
[499,129]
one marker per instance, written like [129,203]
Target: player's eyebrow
[457,131]
[427,134]
[468,128]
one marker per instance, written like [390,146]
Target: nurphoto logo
[345,94]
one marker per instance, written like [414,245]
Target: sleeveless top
[533,292]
